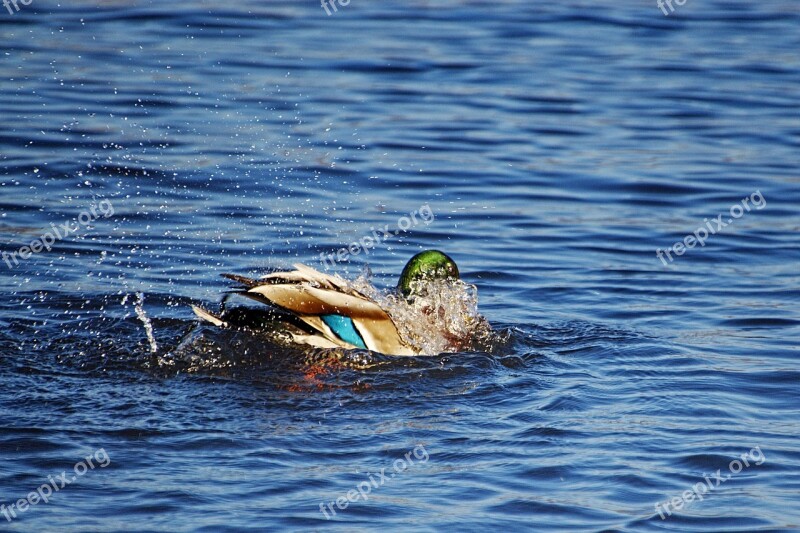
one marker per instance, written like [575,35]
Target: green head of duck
[427,266]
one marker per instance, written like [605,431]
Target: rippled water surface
[556,145]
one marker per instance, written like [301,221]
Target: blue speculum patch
[343,327]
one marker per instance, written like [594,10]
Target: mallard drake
[325,311]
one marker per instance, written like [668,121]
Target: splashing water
[444,319]
[148,326]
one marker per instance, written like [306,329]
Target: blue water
[558,144]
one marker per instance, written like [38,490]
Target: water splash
[148,326]
[444,319]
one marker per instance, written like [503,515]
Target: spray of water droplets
[148,326]
[444,319]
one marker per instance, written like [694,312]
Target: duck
[311,308]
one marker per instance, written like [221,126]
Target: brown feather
[308,293]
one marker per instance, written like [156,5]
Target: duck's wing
[318,299]
[268,320]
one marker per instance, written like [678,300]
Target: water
[558,145]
